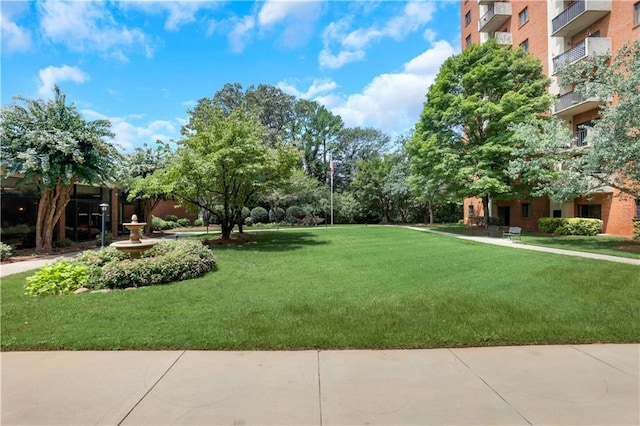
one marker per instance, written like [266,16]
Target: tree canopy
[549,159]
[53,147]
[463,139]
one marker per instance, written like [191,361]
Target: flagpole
[331,167]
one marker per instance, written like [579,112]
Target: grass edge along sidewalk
[353,287]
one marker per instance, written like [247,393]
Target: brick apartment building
[558,33]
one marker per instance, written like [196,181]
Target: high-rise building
[559,33]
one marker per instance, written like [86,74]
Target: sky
[144,64]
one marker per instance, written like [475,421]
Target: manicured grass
[351,287]
[609,245]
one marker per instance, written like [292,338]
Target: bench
[514,232]
[493,231]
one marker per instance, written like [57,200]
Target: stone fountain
[134,245]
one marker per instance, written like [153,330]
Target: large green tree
[53,147]
[463,138]
[224,160]
[549,159]
[141,174]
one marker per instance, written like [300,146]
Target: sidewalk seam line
[319,389]
[599,360]
[490,387]
[151,388]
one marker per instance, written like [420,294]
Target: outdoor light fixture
[103,207]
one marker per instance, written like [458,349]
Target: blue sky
[144,64]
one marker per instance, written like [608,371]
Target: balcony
[579,16]
[485,2]
[498,14]
[573,103]
[504,38]
[591,46]
[581,137]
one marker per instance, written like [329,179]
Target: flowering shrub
[59,278]
[166,262]
[101,257]
[6,251]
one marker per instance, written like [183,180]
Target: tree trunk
[430,207]
[485,206]
[239,220]
[148,204]
[53,202]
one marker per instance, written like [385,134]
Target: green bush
[59,278]
[157,224]
[636,229]
[108,238]
[6,251]
[166,262]
[171,218]
[570,226]
[197,222]
[65,242]
[277,215]
[259,215]
[184,222]
[248,221]
[101,257]
[296,214]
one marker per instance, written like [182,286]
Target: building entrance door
[504,213]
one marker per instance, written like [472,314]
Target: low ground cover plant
[168,261]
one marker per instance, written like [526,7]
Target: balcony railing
[581,137]
[504,38]
[573,103]
[497,15]
[588,47]
[579,16]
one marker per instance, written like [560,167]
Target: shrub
[259,215]
[108,238]
[245,212]
[101,257]
[296,214]
[157,224]
[197,222]
[248,221]
[6,251]
[277,215]
[65,242]
[636,229]
[59,278]
[171,218]
[184,222]
[166,262]
[570,226]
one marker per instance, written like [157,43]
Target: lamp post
[103,207]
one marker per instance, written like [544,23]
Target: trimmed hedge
[570,225]
[259,215]
[277,215]
[636,229]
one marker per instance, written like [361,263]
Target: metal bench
[514,232]
[493,231]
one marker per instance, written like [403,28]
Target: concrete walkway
[515,244]
[542,385]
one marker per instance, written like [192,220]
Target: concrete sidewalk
[513,244]
[583,384]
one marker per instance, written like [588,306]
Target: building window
[638,208]
[525,45]
[637,8]
[467,41]
[467,18]
[523,16]
[592,211]
[526,210]
[582,131]
[557,213]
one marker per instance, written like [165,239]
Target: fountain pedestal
[134,245]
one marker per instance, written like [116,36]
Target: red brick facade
[530,23]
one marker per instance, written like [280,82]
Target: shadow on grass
[273,241]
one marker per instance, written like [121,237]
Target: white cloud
[241,33]
[178,13]
[89,26]
[317,86]
[51,76]
[392,102]
[352,45]
[14,38]
[129,135]
[297,17]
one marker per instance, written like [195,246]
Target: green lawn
[345,287]
[610,245]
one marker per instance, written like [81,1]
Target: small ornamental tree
[53,147]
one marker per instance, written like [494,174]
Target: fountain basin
[135,249]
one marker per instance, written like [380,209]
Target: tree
[353,145]
[224,161]
[463,137]
[143,181]
[550,161]
[369,186]
[53,147]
